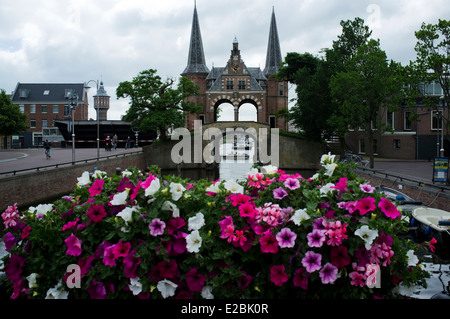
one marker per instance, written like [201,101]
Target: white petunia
[99,174]
[126,173]
[269,169]
[135,286]
[57,292]
[40,210]
[196,222]
[176,189]
[127,214]
[327,158]
[167,205]
[327,188]
[207,292]
[233,187]
[367,234]
[32,283]
[213,188]
[299,216]
[193,242]
[84,179]
[412,258]
[153,188]
[329,169]
[167,288]
[120,198]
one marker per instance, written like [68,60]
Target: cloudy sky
[113,40]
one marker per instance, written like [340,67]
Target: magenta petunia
[97,187]
[388,208]
[194,280]
[301,278]
[316,238]
[96,290]
[312,261]
[269,243]
[166,269]
[71,225]
[157,227]
[247,209]
[278,275]
[73,245]
[339,256]
[108,256]
[13,268]
[121,249]
[130,264]
[96,213]
[365,205]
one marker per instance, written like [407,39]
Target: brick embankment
[430,195]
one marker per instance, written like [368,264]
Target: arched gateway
[235,83]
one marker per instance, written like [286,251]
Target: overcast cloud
[113,40]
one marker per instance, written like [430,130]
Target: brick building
[45,103]
[420,138]
[236,84]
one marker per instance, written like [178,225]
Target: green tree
[368,86]
[155,104]
[432,63]
[12,120]
[310,75]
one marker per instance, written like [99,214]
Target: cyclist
[47,146]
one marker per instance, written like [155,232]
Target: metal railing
[57,165]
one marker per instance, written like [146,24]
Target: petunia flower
[167,288]
[121,249]
[316,238]
[96,290]
[120,198]
[339,256]
[176,189]
[328,274]
[57,292]
[193,242]
[367,234]
[292,183]
[153,187]
[234,187]
[130,264]
[278,275]
[157,227]
[388,208]
[127,214]
[13,268]
[194,280]
[300,216]
[135,286]
[169,206]
[301,278]
[412,258]
[269,243]
[286,238]
[365,205]
[96,213]
[84,179]
[196,222]
[279,193]
[73,246]
[367,188]
[96,187]
[312,261]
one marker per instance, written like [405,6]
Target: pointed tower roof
[101,90]
[273,58]
[196,59]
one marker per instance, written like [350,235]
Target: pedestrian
[107,143]
[47,146]
[115,140]
[128,145]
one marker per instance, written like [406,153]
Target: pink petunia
[388,208]
[286,238]
[73,246]
[194,280]
[365,205]
[96,187]
[312,261]
[278,275]
[71,225]
[279,193]
[247,210]
[328,274]
[292,183]
[157,227]
[316,238]
[341,185]
[121,249]
[96,213]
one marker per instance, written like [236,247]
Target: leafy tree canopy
[12,120]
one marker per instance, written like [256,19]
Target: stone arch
[250,109]
[229,108]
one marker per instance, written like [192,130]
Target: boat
[433,223]
[401,200]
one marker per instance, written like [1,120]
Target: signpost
[440,170]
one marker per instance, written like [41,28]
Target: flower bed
[274,235]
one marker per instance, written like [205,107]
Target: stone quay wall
[38,187]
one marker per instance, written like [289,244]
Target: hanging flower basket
[273,235]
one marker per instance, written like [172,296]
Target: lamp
[73,103]
[87,87]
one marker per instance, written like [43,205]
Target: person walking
[128,145]
[47,146]
[115,140]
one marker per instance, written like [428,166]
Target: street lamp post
[98,118]
[73,103]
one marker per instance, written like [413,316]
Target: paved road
[11,160]
[416,170]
